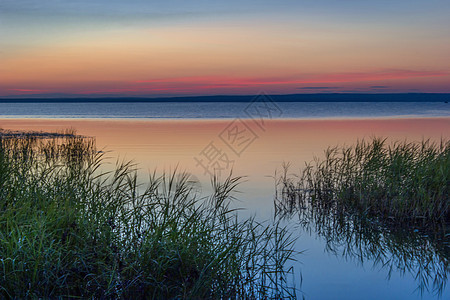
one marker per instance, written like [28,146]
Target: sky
[181,48]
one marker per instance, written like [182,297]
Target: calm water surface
[164,136]
[223,110]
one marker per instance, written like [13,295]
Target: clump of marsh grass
[401,183]
[69,230]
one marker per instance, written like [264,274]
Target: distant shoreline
[400,97]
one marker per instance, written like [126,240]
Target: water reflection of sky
[162,144]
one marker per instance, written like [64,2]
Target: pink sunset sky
[166,48]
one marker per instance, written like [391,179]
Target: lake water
[221,110]
[253,140]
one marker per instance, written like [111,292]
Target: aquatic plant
[401,183]
[69,229]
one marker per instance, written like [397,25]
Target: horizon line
[309,97]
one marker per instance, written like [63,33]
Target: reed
[403,183]
[67,229]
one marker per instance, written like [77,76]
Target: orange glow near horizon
[234,56]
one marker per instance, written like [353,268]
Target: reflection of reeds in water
[423,255]
[67,230]
[388,204]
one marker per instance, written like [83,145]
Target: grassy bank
[68,230]
[401,183]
